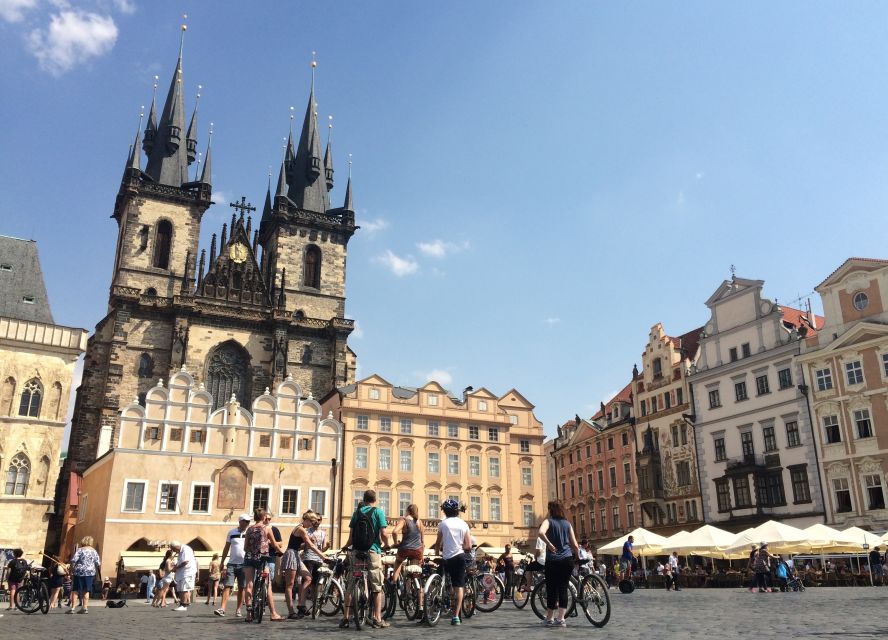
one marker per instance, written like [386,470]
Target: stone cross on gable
[243,206]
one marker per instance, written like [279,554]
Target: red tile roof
[688,342]
[623,395]
[794,318]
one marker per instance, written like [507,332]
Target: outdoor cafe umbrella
[780,538]
[644,542]
[707,541]
[822,538]
[859,537]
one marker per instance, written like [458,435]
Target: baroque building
[666,460]
[424,446]
[37,360]
[265,304]
[845,366]
[595,462]
[753,432]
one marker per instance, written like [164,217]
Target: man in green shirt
[374,552]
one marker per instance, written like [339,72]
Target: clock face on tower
[238,252]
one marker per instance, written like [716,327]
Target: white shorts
[167,580]
[185,583]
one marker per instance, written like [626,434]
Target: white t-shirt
[453,532]
[186,554]
[541,547]
[236,541]
[673,562]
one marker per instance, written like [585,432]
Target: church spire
[135,160]
[305,189]
[206,176]
[349,203]
[266,210]
[282,183]
[168,160]
[151,127]
[328,155]
[191,136]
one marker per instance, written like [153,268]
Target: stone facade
[37,363]
[846,372]
[177,469]
[753,432]
[666,460]
[424,446]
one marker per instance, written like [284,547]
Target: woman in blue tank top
[561,551]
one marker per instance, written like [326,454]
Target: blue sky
[538,182]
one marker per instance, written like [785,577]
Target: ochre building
[37,360]
[424,446]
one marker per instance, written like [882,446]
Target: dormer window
[658,368]
[28,299]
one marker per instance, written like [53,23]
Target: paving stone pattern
[824,613]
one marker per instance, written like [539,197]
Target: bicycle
[326,591]
[360,588]
[524,584]
[406,592]
[591,594]
[489,589]
[33,594]
[438,594]
[260,592]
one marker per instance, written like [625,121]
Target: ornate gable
[234,275]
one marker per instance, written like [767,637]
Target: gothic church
[264,304]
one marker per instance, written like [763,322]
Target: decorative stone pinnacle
[310,397]
[289,377]
[183,370]
[267,391]
[160,382]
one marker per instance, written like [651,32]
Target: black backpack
[364,533]
[17,570]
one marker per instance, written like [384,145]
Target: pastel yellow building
[37,360]
[180,470]
[424,446]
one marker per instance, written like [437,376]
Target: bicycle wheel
[44,598]
[331,600]
[359,602]
[27,599]
[259,597]
[538,600]
[595,600]
[468,604]
[522,590]
[489,592]
[410,602]
[433,604]
[390,593]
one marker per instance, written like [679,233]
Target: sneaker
[71,610]
[343,624]
[455,621]
[220,612]
[237,614]
[181,607]
[547,623]
[559,623]
[83,610]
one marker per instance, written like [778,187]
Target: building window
[740,391]
[453,464]
[714,399]
[612,472]
[134,496]
[601,480]
[842,492]
[434,505]
[762,387]
[747,444]
[385,424]
[373,393]
[406,426]
[784,378]
[289,502]
[625,439]
[742,497]
[357,498]
[433,429]
[885,364]
[526,476]
[513,419]
[360,457]
[630,516]
[434,461]
[525,446]
[824,379]
[603,515]
[406,460]
[405,498]
[311,276]
[493,467]
[570,458]
[864,425]
[146,366]
[831,429]
[317,501]
[720,453]
[616,517]
[473,432]
[679,396]
[452,430]
[644,412]
[860,301]
[228,373]
[169,497]
[384,501]
[793,438]
[385,459]
[475,507]
[200,498]
[854,372]
[801,490]
[723,494]
[683,474]
[732,352]
[770,490]
[32,394]
[684,435]
[580,484]
[573,493]
[264,440]
[17,475]
[610,443]
[874,495]
[745,349]
[495,513]
[667,400]
[163,238]
[363,423]
[475,466]
[653,404]
[260,498]
[493,434]
[304,444]
[432,399]
[154,433]
[770,439]
[527,515]
[627,473]
[598,447]
[196,436]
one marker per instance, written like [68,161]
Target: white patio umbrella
[858,537]
[644,542]
[780,538]
[707,541]
[822,538]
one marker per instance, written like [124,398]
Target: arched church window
[32,395]
[146,366]
[17,475]
[228,372]
[312,270]
[162,240]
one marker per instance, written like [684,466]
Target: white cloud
[125,6]
[14,10]
[440,248]
[552,321]
[440,376]
[372,226]
[358,332]
[397,265]
[72,37]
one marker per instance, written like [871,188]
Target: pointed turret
[282,183]
[304,187]
[206,175]
[349,203]
[328,158]
[191,136]
[168,160]
[151,127]
[135,160]
[213,251]
[266,209]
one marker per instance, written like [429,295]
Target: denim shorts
[83,584]
[234,572]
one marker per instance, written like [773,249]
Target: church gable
[235,274]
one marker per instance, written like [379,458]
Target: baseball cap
[244,516]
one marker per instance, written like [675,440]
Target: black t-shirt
[295,542]
[277,538]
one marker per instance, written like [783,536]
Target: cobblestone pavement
[849,613]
